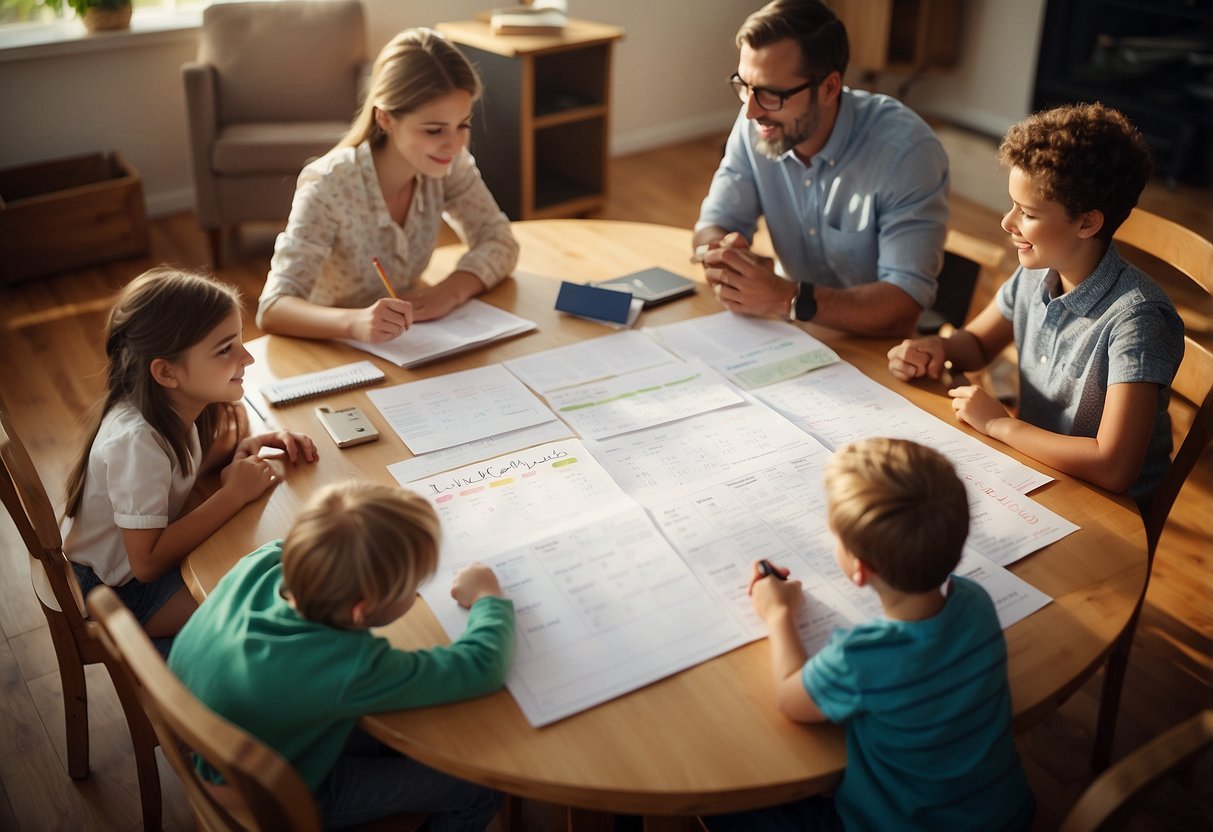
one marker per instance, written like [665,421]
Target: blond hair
[900,508]
[358,541]
[416,67]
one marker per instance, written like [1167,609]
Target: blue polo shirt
[871,205]
[928,720]
[1117,326]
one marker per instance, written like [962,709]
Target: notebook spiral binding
[310,385]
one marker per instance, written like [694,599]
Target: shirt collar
[370,178]
[370,181]
[1087,295]
[839,135]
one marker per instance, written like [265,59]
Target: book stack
[528,20]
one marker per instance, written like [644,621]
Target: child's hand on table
[473,582]
[917,357]
[975,407]
[296,445]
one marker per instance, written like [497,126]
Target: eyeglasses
[769,100]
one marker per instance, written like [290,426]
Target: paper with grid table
[605,544]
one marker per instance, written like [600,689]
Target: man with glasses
[853,186]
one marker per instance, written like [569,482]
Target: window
[36,12]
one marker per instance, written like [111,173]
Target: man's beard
[803,127]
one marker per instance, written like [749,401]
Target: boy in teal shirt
[923,691]
[283,648]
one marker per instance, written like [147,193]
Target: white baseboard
[976,174]
[979,121]
[166,203]
[672,132]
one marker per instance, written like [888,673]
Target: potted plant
[98,15]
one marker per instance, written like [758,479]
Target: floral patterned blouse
[339,221]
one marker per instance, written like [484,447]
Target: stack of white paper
[472,325]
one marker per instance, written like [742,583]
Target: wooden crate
[69,213]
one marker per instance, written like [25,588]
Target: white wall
[668,82]
[127,99]
[991,87]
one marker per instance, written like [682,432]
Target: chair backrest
[1112,790]
[289,61]
[965,260]
[262,791]
[24,496]
[1191,255]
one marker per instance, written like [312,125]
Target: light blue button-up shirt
[871,205]
[1115,327]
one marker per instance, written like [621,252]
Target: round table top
[708,739]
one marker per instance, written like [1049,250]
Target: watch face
[805,305]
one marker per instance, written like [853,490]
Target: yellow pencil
[383,277]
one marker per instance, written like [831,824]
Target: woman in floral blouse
[383,193]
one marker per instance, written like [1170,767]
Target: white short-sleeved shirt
[133,482]
[339,221]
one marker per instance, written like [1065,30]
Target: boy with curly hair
[1099,342]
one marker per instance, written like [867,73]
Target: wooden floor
[51,362]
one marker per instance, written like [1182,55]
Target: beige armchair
[276,84]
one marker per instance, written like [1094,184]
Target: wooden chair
[76,639]
[1112,790]
[1192,255]
[966,261]
[262,791]
[265,792]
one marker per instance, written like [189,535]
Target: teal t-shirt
[300,686]
[928,720]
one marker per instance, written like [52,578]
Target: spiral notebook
[310,385]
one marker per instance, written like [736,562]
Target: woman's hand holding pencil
[387,284]
[384,319]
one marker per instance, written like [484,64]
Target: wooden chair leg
[215,240]
[149,775]
[509,816]
[1109,698]
[144,742]
[75,697]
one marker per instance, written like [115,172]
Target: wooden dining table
[708,739]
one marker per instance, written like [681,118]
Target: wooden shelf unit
[540,133]
[900,36]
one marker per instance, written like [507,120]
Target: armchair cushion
[275,85]
[273,147]
[296,60]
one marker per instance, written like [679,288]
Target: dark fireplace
[1150,59]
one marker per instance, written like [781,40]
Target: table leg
[666,823]
[585,820]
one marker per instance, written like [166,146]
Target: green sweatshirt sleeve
[473,665]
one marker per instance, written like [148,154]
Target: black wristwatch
[804,305]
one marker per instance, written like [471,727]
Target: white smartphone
[348,426]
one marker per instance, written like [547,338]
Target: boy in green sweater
[283,648]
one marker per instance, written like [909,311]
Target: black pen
[768,571]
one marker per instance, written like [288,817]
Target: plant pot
[106,20]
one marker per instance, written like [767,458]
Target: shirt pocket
[851,255]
